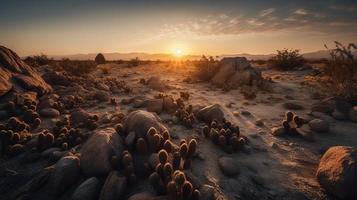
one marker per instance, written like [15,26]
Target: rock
[141,196]
[207,192]
[101,95]
[153,160]
[235,72]
[353,114]
[65,173]
[259,122]
[337,172]
[156,84]
[338,115]
[88,190]
[130,139]
[48,152]
[305,133]
[79,116]
[49,113]
[246,113]
[278,131]
[228,166]
[212,112]
[140,121]
[102,86]
[96,153]
[57,78]
[292,106]
[16,74]
[154,105]
[114,187]
[169,104]
[319,125]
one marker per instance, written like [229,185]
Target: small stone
[228,166]
[259,122]
[278,131]
[319,125]
[338,115]
[49,112]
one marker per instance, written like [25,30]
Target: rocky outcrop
[210,113]
[96,153]
[16,74]
[141,121]
[235,72]
[337,172]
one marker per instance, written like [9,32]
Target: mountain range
[147,56]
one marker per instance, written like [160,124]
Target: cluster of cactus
[25,108]
[113,101]
[291,122]
[17,125]
[224,134]
[173,183]
[182,159]
[65,136]
[12,142]
[185,116]
[128,166]
[156,141]
[45,140]
[185,95]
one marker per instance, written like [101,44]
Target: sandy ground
[270,167]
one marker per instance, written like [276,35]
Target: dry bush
[287,60]
[38,60]
[77,67]
[105,70]
[206,68]
[134,62]
[99,59]
[341,70]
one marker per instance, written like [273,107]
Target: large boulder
[16,74]
[96,153]
[319,125]
[57,78]
[156,83]
[235,72]
[114,187]
[337,172]
[88,190]
[154,105]
[65,173]
[209,113]
[140,121]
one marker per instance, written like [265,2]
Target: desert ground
[267,166]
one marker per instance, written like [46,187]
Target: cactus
[206,131]
[127,159]
[16,138]
[166,135]
[286,126]
[187,189]
[64,146]
[156,142]
[176,161]
[289,116]
[141,146]
[132,179]
[222,141]
[152,131]
[163,156]
[214,135]
[183,150]
[16,149]
[168,146]
[298,121]
[196,195]
[187,163]
[36,123]
[192,148]
[168,169]
[179,178]
[154,179]
[172,190]
[119,129]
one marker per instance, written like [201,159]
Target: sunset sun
[178,52]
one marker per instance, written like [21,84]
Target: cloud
[318,20]
[266,12]
[301,12]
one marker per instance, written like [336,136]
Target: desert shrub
[99,59]
[77,67]
[205,68]
[134,62]
[341,69]
[38,60]
[286,60]
[105,70]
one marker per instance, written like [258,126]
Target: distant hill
[148,56]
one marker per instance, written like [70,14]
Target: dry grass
[287,60]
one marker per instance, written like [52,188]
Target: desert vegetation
[341,70]
[206,68]
[287,59]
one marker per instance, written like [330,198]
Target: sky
[190,26]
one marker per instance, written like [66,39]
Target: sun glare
[178,52]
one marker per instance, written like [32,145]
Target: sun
[178,52]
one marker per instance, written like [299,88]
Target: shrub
[77,67]
[99,59]
[206,68]
[134,62]
[286,60]
[38,60]
[341,70]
